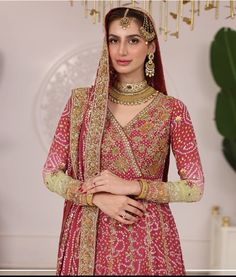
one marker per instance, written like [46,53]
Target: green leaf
[223,58]
[225,114]
[229,150]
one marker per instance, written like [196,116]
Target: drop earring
[150,66]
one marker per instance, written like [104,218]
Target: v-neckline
[131,121]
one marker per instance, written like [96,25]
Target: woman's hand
[120,207]
[109,182]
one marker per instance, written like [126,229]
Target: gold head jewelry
[150,66]
[125,21]
[147,30]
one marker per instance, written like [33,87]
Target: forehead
[116,29]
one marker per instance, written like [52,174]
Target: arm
[56,165]
[184,146]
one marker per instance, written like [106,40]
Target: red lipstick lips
[123,62]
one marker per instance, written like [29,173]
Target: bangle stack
[89,198]
[144,189]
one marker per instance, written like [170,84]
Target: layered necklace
[131,93]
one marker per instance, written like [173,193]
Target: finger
[129,217]
[95,185]
[87,183]
[125,221]
[104,172]
[91,191]
[96,189]
[98,179]
[137,204]
[134,210]
[88,187]
[100,183]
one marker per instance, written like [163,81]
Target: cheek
[112,51]
[140,54]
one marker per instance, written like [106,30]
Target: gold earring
[150,66]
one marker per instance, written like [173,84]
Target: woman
[110,155]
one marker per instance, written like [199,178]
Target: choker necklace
[133,98]
[131,88]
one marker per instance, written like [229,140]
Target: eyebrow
[129,36]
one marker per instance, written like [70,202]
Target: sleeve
[56,165]
[190,187]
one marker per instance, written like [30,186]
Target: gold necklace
[132,99]
[131,88]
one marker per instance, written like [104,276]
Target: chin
[123,70]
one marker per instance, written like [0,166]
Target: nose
[123,48]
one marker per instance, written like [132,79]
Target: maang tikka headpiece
[146,30]
[125,21]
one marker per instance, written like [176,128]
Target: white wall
[34,36]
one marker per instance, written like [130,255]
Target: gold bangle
[144,189]
[89,199]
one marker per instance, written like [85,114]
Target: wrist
[136,189]
[95,199]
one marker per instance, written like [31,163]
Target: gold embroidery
[179,191]
[65,186]
[184,191]
[153,169]
[131,250]
[92,163]
[165,245]
[73,194]
[158,192]
[112,240]
[79,99]
[126,143]
[64,240]
[57,182]
[149,242]
[143,115]
[121,163]
[152,119]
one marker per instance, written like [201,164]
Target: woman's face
[128,49]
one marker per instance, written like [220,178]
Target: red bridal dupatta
[89,139]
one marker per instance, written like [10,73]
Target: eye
[112,40]
[134,41]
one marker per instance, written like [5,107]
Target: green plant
[223,67]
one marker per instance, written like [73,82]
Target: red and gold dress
[93,243]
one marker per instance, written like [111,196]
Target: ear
[151,47]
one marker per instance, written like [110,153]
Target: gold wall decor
[168,14]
